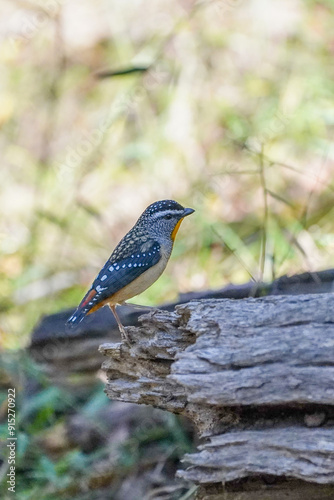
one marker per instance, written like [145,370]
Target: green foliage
[48,465]
[233,117]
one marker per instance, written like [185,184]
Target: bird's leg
[124,335]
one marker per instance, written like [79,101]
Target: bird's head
[163,218]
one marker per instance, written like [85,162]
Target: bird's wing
[116,275]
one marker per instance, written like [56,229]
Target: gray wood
[275,350]
[255,375]
[61,353]
[293,452]
[288,490]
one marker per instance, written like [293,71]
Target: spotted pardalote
[137,261]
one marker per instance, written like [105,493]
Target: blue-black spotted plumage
[137,261]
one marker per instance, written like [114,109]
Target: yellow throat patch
[176,228]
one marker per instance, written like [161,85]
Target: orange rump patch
[88,298]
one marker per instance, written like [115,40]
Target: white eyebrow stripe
[165,212]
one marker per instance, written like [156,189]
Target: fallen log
[62,354]
[256,376]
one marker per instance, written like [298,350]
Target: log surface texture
[256,376]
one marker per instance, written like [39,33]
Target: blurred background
[106,106]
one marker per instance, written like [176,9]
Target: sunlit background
[227,82]
[226,106]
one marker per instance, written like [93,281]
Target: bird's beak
[188,211]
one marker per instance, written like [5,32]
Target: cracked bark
[255,376]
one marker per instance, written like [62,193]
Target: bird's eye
[168,216]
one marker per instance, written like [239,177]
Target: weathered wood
[276,350]
[62,353]
[255,375]
[259,490]
[138,373]
[302,453]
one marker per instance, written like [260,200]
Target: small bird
[136,263]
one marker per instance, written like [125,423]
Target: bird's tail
[85,307]
[73,322]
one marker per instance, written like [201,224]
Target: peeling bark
[256,376]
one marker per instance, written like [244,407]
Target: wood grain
[255,375]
